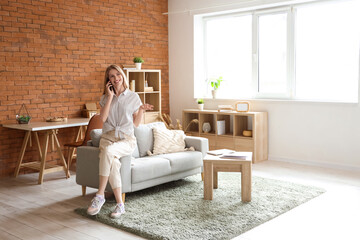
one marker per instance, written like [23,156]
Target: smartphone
[112,88]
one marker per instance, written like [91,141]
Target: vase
[206,127]
[138,66]
[213,92]
[201,107]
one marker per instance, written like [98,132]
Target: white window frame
[290,10]
[289,53]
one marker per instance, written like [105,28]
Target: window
[327,51]
[272,50]
[301,52]
[228,54]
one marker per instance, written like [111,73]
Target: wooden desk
[215,164]
[50,129]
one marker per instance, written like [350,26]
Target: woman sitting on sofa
[121,110]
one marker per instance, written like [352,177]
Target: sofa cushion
[143,169]
[168,141]
[145,138]
[182,161]
[96,136]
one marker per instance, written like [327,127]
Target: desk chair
[94,123]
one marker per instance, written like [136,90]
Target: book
[237,155]
[129,67]
[225,108]
[220,152]
[148,89]
[220,127]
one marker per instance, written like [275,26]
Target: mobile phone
[112,88]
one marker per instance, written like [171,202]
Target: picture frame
[242,106]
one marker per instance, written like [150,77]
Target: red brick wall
[53,54]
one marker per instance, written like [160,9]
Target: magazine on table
[220,152]
[227,153]
[237,155]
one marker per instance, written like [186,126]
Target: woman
[121,110]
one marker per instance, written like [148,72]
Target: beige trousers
[111,150]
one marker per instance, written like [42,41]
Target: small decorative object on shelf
[56,119]
[165,118]
[132,85]
[247,133]
[23,117]
[138,61]
[225,108]
[242,106]
[206,127]
[194,121]
[221,127]
[200,102]
[148,89]
[127,67]
[90,110]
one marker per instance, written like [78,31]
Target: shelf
[243,137]
[148,92]
[208,134]
[153,79]
[226,135]
[235,124]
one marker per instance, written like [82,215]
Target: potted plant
[200,102]
[215,84]
[23,119]
[138,61]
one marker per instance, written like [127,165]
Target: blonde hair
[119,69]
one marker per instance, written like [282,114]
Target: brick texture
[53,54]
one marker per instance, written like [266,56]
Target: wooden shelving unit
[153,78]
[235,124]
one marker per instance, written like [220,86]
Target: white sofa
[141,171]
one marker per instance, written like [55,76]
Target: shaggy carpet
[177,210]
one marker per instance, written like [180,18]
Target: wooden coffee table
[215,164]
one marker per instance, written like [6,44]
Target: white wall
[325,134]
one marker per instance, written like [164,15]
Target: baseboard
[317,164]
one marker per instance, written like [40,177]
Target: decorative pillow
[168,141]
[145,137]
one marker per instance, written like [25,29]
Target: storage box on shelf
[235,124]
[148,86]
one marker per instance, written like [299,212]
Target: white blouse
[121,112]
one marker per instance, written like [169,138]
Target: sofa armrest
[87,166]
[87,169]
[199,143]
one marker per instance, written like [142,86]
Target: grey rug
[177,210]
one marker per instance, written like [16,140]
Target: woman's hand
[108,91]
[139,113]
[146,106]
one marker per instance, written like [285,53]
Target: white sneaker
[119,210]
[96,204]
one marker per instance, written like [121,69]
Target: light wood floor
[32,211]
